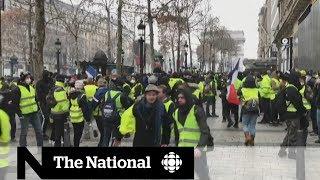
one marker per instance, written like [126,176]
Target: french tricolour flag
[91,72]
[232,96]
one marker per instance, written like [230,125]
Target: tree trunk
[109,34]
[190,47]
[178,49]
[119,45]
[150,21]
[40,35]
[30,64]
[173,57]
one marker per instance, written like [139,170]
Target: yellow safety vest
[76,114]
[290,107]
[28,102]
[250,94]
[133,91]
[265,87]
[197,93]
[90,90]
[4,138]
[274,92]
[128,122]
[167,104]
[174,81]
[62,106]
[117,100]
[306,103]
[189,134]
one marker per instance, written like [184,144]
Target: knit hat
[79,84]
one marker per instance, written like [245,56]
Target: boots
[247,139]
[251,142]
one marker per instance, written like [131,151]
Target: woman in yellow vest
[57,100]
[4,141]
[250,108]
[192,130]
[79,111]
[28,110]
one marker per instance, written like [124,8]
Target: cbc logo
[171,162]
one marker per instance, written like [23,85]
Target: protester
[250,109]
[147,115]
[79,111]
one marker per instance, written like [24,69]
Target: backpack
[251,106]
[109,108]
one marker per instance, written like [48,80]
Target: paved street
[230,159]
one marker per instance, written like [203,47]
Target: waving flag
[232,96]
[91,72]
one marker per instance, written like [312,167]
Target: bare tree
[40,35]
[76,19]
[119,34]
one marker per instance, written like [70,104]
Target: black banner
[109,163]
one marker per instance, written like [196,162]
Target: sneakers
[236,126]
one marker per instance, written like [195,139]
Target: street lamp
[58,50]
[186,54]
[13,61]
[141,29]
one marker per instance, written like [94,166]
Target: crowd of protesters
[156,108]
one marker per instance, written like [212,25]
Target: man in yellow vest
[275,87]
[79,111]
[97,113]
[264,90]
[28,110]
[211,92]
[294,114]
[249,94]
[192,130]
[59,103]
[89,89]
[169,110]
[4,141]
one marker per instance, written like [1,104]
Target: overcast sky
[235,15]
[241,15]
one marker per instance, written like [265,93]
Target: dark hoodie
[183,111]
[294,97]
[43,87]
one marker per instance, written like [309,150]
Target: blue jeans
[249,122]
[318,122]
[33,118]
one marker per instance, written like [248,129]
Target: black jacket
[294,97]
[149,120]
